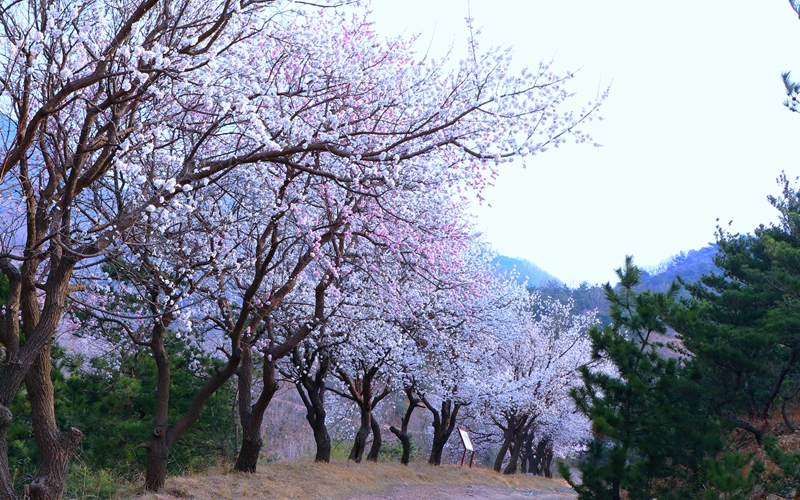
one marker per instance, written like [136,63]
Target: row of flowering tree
[244,172]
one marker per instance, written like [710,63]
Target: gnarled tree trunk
[444,422]
[29,361]
[508,437]
[543,458]
[516,450]
[402,432]
[312,392]
[360,391]
[360,442]
[515,424]
[252,416]
[321,437]
[377,440]
[55,449]
[527,453]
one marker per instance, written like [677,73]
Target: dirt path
[345,480]
[478,492]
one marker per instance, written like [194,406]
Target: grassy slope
[341,479]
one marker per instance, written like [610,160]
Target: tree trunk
[157,456]
[405,441]
[55,449]
[527,454]
[322,439]
[252,416]
[444,422]
[361,392]
[511,467]
[158,445]
[30,362]
[6,485]
[547,460]
[538,456]
[377,440]
[312,392]
[541,463]
[501,455]
[402,432]
[247,460]
[360,442]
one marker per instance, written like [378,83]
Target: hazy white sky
[694,127]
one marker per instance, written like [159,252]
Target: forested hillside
[689,266]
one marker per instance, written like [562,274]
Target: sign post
[467,442]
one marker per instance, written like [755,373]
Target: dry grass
[342,479]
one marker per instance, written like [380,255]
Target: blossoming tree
[120,111]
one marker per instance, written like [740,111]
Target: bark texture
[402,433]
[377,440]
[55,449]
[312,392]
[158,444]
[515,429]
[360,391]
[444,422]
[252,415]
[6,485]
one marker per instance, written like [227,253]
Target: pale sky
[694,126]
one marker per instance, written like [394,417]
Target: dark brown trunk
[538,454]
[511,467]
[377,440]
[507,439]
[247,460]
[501,455]
[527,454]
[252,416]
[538,457]
[360,442]
[444,422]
[20,360]
[361,392]
[402,432]
[405,441]
[547,460]
[542,461]
[40,335]
[156,464]
[322,439]
[158,445]
[55,449]
[6,485]
[312,392]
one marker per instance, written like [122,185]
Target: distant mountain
[586,297]
[525,270]
[688,265]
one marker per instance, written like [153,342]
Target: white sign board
[465,439]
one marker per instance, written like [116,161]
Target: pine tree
[651,425]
